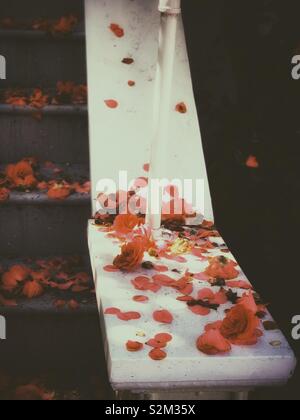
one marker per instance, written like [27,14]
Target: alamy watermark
[2,328]
[296,67]
[2,67]
[296,329]
[175,196]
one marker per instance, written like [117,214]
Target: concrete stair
[31,225]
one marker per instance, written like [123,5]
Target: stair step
[61,134]
[60,384]
[43,230]
[50,110]
[32,223]
[45,303]
[40,198]
[41,336]
[43,59]
[78,35]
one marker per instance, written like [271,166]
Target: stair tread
[70,172]
[34,34]
[46,302]
[49,109]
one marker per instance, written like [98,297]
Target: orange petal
[111,103]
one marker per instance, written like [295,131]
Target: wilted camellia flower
[131,256]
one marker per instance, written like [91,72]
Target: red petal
[252,162]
[201,276]
[239,284]
[59,303]
[156,344]
[7,302]
[175,258]
[206,294]
[110,269]
[188,290]
[141,283]
[199,310]
[163,280]
[163,337]
[117,30]
[214,326]
[111,103]
[154,287]
[163,316]
[185,299]
[128,316]
[73,305]
[181,108]
[213,343]
[140,299]
[161,268]
[157,354]
[112,311]
[172,190]
[134,346]
[220,298]
[197,252]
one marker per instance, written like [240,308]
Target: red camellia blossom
[213,343]
[134,346]
[163,316]
[131,256]
[222,268]
[11,279]
[240,326]
[21,175]
[125,223]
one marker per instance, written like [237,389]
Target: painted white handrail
[170,6]
[160,151]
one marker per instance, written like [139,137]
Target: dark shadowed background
[248,104]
